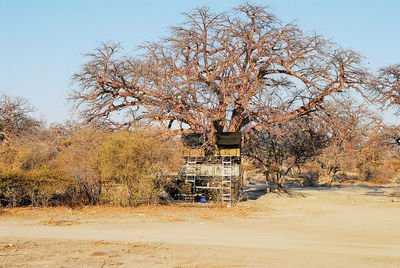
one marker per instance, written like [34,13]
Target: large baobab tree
[217,72]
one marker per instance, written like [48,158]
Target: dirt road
[317,227]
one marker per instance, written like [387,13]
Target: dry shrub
[77,160]
[27,175]
[37,187]
[87,167]
[310,178]
[68,164]
[138,166]
[377,174]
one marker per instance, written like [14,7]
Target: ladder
[226,180]
[192,171]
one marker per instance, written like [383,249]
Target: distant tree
[15,119]
[281,148]
[217,72]
[341,135]
[350,130]
[386,87]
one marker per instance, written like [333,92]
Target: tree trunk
[267,181]
[325,178]
[280,181]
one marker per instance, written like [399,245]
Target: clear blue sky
[42,41]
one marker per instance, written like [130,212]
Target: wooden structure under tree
[214,176]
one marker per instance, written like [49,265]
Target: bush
[310,178]
[77,160]
[137,165]
[87,167]
[27,176]
[34,188]
[74,165]
[377,173]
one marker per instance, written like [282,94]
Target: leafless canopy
[217,72]
[387,87]
[15,119]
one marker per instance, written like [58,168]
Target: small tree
[348,128]
[356,137]
[281,148]
[386,86]
[15,119]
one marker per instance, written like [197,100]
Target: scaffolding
[213,178]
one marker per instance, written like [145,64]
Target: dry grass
[59,223]
[64,216]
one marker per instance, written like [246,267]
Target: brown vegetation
[82,165]
[242,71]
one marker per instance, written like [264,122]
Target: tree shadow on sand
[257,189]
[254,190]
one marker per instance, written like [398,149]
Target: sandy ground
[355,226]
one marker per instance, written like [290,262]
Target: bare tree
[386,89]
[281,148]
[357,139]
[386,86]
[350,128]
[15,119]
[217,72]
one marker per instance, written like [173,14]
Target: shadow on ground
[255,190]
